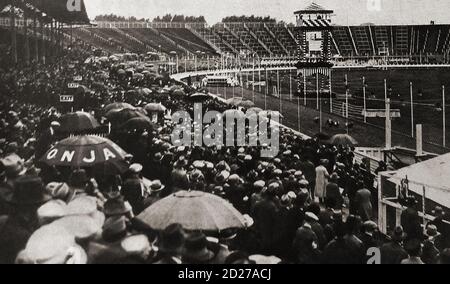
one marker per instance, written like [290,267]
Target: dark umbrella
[82,90]
[179,93]
[78,122]
[153,107]
[322,136]
[118,106]
[139,123]
[199,97]
[123,116]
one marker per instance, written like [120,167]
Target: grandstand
[408,44]
[425,43]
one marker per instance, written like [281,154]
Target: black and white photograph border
[224,132]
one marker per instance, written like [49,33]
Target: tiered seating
[213,38]
[343,40]
[120,37]
[401,40]
[267,39]
[362,40]
[89,36]
[152,38]
[227,36]
[246,37]
[187,39]
[444,39]
[281,31]
[382,38]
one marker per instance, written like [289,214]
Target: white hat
[312,216]
[136,244]
[55,123]
[136,168]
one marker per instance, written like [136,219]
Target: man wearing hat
[156,188]
[411,221]
[15,229]
[306,244]
[440,223]
[369,235]
[117,206]
[106,248]
[179,179]
[196,249]
[333,192]
[170,245]
[309,171]
[430,254]
[414,249]
[393,252]
[265,213]
[363,202]
[46,139]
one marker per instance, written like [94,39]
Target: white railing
[140,24]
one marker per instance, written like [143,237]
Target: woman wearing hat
[322,176]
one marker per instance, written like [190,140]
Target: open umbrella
[124,115]
[193,210]
[118,106]
[78,122]
[255,110]
[139,123]
[233,113]
[85,152]
[178,92]
[246,104]
[153,107]
[322,136]
[199,97]
[83,90]
[342,140]
[144,91]
[234,101]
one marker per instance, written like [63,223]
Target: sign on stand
[66,99]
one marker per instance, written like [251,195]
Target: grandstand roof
[314,8]
[56,9]
[433,175]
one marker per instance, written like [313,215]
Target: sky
[347,12]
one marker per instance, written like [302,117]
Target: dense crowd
[309,204]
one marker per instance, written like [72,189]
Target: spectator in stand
[322,176]
[393,251]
